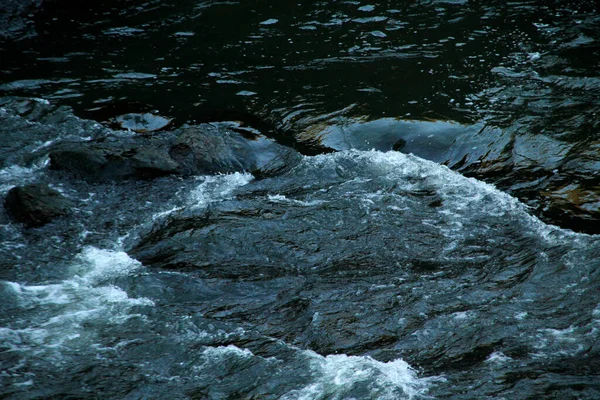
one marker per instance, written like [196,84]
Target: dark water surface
[465,264]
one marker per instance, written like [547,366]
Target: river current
[437,239]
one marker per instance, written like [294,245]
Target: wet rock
[251,239]
[285,233]
[399,145]
[272,158]
[519,159]
[438,202]
[574,205]
[212,149]
[36,205]
[488,152]
[28,125]
[100,161]
[494,152]
[556,178]
[197,150]
[307,256]
[583,161]
[151,162]
[223,148]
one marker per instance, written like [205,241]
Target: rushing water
[463,265]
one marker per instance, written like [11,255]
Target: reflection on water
[400,59]
[414,60]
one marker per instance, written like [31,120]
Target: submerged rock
[142,123]
[533,165]
[554,177]
[36,205]
[343,224]
[426,139]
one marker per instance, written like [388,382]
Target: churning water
[436,240]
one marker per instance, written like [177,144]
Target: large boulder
[558,179]
[102,161]
[205,149]
[36,205]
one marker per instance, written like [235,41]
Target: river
[437,236]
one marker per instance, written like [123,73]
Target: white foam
[219,187]
[335,376]
[278,198]
[56,313]
[461,195]
[160,215]
[463,315]
[17,175]
[498,357]
[552,342]
[521,315]
[101,264]
[562,334]
[227,351]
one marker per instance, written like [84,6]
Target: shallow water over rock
[435,238]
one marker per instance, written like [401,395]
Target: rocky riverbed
[221,200]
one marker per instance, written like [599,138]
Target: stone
[151,162]
[205,149]
[574,205]
[399,145]
[210,149]
[16,19]
[96,161]
[272,158]
[36,205]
